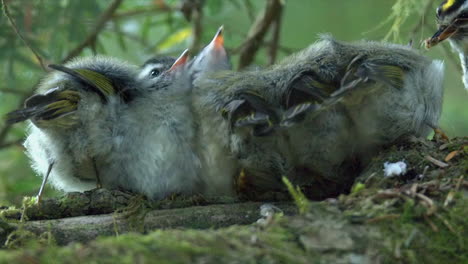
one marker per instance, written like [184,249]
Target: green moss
[382,219]
[175,246]
[357,187]
[299,198]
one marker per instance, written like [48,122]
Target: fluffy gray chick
[319,115]
[74,107]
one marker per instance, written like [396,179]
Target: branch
[13,91]
[257,32]
[13,143]
[276,38]
[101,22]
[197,29]
[6,11]
[249,8]
[193,12]
[143,11]
[87,228]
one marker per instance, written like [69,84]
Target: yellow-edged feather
[101,81]
[447,5]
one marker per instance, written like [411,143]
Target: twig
[143,11]
[13,143]
[86,228]
[431,224]
[13,91]
[6,11]
[101,22]
[275,38]
[446,223]
[136,38]
[249,8]
[422,21]
[257,32]
[197,28]
[459,183]
[193,12]
[431,207]
[436,162]
[383,217]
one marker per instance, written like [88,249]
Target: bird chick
[211,58]
[154,154]
[320,114]
[97,119]
[155,66]
[73,106]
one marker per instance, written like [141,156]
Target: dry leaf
[451,155]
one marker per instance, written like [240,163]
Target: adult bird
[452,20]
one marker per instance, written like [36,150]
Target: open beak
[181,61]
[442,34]
[218,40]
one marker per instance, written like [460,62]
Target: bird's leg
[439,133]
[44,181]
[346,84]
[241,181]
[96,172]
[305,95]
[249,109]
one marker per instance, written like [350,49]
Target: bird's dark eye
[438,12]
[463,15]
[155,73]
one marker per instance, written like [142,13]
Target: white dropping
[394,169]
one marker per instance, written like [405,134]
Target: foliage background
[138,29]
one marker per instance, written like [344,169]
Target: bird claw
[295,114]
[249,109]
[305,95]
[440,134]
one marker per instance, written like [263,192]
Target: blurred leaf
[120,35]
[27,61]
[176,38]
[213,6]
[100,47]
[236,3]
[145,28]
